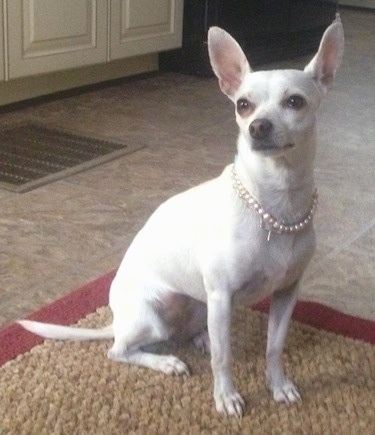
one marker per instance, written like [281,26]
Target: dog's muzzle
[261,130]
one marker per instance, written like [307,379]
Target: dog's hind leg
[131,336]
[282,305]
[167,364]
[202,342]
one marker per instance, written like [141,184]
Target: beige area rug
[32,155]
[72,388]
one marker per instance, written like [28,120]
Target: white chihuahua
[243,236]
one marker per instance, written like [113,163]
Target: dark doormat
[32,155]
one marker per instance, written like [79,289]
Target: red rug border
[14,340]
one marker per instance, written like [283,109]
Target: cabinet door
[2,52]
[51,35]
[144,26]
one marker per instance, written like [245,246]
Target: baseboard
[17,90]
[367,4]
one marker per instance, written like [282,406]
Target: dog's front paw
[230,404]
[286,392]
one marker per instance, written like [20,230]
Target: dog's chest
[271,265]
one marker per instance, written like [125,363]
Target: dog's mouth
[271,148]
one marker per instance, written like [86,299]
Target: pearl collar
[267,221]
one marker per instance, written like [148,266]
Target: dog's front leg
[282,305]
[227,400]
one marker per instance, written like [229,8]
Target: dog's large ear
[227,59]
[327,60]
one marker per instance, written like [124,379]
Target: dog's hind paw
[286,392]
[171,365]
[202,342]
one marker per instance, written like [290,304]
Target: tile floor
[60,236]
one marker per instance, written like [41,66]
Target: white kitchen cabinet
[51,35]
[144,26]
[44,36]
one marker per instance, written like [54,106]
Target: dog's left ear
[327,60]
[227,59]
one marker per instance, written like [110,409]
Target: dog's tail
[59,332]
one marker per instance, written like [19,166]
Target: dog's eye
[243,105]
[295,102]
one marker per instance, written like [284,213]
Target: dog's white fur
[204,249]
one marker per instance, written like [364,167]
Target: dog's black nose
[260,128]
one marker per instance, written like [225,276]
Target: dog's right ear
[227,59]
